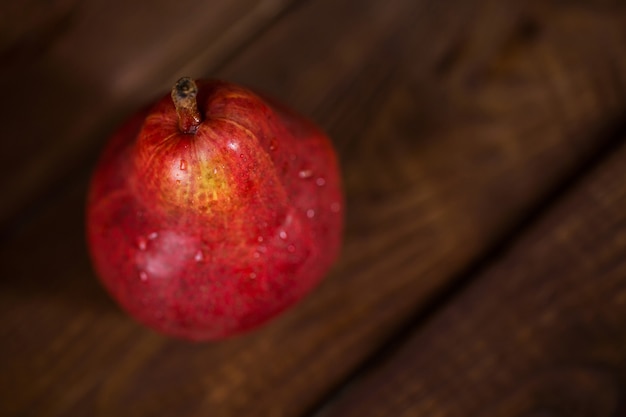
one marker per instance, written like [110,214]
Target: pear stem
[184,95]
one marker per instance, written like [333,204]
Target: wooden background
[483,147]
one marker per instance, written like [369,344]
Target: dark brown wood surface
[540,331]
[457,125]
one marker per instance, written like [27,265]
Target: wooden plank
[431,132]
[70,70]
[541,331]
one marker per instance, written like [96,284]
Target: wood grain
[452,123]
[540,332]
[74,69]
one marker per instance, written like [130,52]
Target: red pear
[213,211]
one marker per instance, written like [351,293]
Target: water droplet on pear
[305,173]
[273,145]
[142,243]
